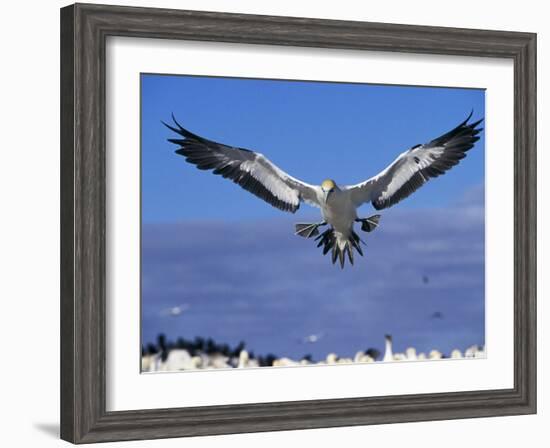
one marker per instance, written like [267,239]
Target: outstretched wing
[251,170]
[415,167]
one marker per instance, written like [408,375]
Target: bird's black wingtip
[176,121]
[474,124]
[465,122]
[181,130]
[177,131]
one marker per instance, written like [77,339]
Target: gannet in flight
[312,338]
[338,203]
[175,311]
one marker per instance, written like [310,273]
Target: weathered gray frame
[84,29]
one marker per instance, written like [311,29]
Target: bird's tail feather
[370,223]
[340,247]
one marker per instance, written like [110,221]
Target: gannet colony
[165,356]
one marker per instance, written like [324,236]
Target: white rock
[285,362]
[456,354]
[410,352]
[344,361]
[178,359]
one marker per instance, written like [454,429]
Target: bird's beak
[327,194]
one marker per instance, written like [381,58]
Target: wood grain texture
[84,29]
[67,222]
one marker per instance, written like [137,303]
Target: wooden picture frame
[84,29]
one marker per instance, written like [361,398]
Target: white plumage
[255,173]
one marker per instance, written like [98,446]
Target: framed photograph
[357,245]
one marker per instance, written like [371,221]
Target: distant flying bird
[175,311]
[338,204]
[312,338]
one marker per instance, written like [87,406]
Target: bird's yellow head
[328,185]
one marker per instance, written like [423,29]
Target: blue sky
[235,259]
[312,130]
[256,282]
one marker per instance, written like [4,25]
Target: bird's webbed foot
[307,230]
[370,223]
